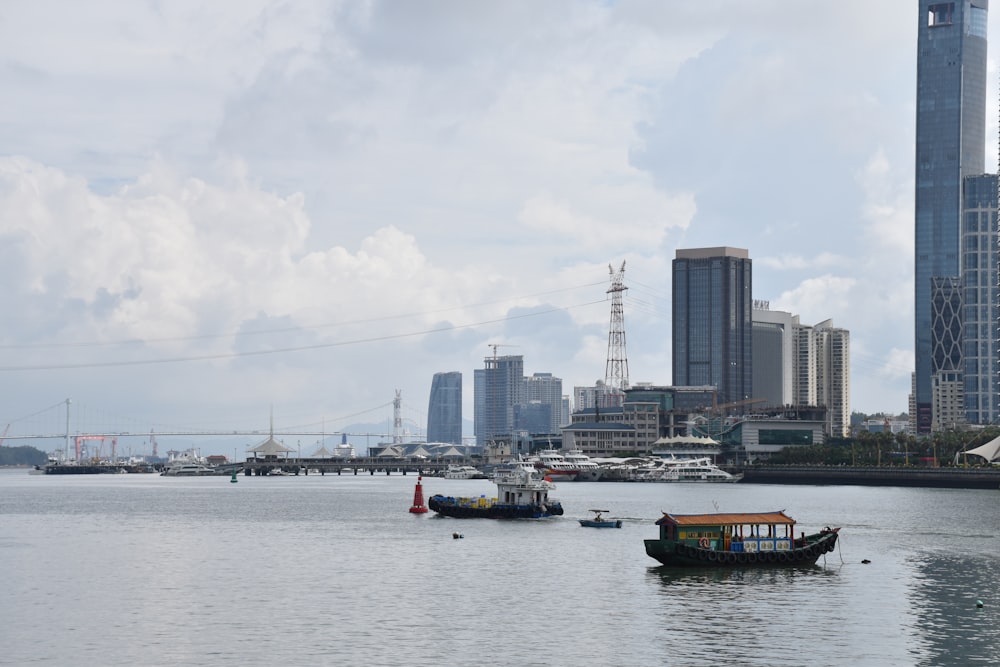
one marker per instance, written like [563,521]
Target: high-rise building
[773,354]
[546,390]
[499,386]
[444,410]
[950,145]
[712,325]
[947,409]
[822,372]
[980,345]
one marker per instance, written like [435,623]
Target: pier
[328,466]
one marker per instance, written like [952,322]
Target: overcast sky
[210,209]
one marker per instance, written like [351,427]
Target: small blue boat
[599,521]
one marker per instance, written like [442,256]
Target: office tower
[712,326]
[444,409]
[946,353]
[950,145]
[773,354]
[498,388]
[547,390]
[980,296]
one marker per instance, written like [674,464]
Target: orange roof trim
[728,519]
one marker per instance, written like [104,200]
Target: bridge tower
[397,418]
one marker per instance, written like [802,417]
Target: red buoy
[418,499]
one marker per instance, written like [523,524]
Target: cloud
[339,178]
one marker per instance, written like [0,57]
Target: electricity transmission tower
[616,371]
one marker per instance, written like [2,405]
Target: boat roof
[727,519]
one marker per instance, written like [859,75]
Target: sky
[213,215]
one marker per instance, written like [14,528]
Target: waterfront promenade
[947,478]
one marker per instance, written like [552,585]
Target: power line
[258,353]
[215,336]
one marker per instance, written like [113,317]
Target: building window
[940,14]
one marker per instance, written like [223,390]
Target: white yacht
[462,472]
[686,470]
[191,469]
[555,466]
[514,468]
[588,469]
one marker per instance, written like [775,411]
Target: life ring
[704,543]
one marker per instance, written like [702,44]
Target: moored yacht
[462,472]
[588,470]
[555,466]
[686,470]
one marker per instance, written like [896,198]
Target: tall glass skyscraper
[444,410]
[981,399]
[498,388]
[950,145]
[712,321]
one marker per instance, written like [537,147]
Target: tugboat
[736,539]
[520,495]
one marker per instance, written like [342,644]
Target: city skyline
[210,212]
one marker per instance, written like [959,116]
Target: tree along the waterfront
[891,450]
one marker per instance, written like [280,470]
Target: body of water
[150,570]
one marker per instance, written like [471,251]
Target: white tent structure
[990,451]
[269,449]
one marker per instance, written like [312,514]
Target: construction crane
[496,345]
[4,435]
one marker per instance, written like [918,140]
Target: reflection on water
[324,571]
[945,592]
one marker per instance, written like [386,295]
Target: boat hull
[590,523]
[464,508]
[678,554]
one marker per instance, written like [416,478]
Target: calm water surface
[149,570]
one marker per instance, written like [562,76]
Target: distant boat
[463,472]
[189,470]
[555,466]
[522,494]
[599,521]
[685,470]
[588,470]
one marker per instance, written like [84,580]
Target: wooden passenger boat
[736,540]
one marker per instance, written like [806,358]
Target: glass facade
[980,294]
[444,410]
[950,145]
[498,388]
[712,327]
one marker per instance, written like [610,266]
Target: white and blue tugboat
[520,495]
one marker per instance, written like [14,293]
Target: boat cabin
[738,532]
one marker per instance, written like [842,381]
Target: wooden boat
[736,540]
[599,521]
